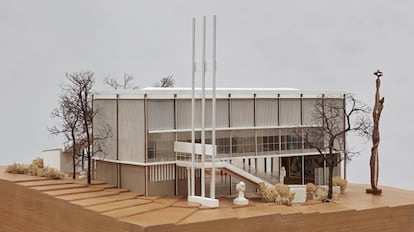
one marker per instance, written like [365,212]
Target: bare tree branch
[166,82]
[76,114]
[333,120]
[126,83]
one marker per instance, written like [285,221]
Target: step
[81,196]
[126,212]
[118,205]
[44,183]
[63,192]
[104,199]
[57,187]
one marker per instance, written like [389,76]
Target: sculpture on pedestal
[376,113]
[282,175]
[241,200]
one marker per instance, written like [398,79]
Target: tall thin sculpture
[376,114]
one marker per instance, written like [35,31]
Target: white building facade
[256,130]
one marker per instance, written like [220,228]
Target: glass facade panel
[161,147]
[311,163]
[268,142]
[290,142]
[243,142]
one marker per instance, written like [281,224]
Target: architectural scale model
[255,137]
[169,141]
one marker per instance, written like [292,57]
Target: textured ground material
[25,206]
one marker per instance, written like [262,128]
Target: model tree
[333,120]
[76,113]
[126,83]
[376,114]
[69,119]
[166,82]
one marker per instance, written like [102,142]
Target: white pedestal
[240,201]
[204,201]
[300,193]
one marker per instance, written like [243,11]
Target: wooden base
[374,191]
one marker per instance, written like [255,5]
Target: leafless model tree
[166,82]
[80,87]
[76,113]
[69,124]
[333,120]
[126,83]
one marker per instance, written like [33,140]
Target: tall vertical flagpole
[202,199]
[203,110]
[214,117]
[193,113]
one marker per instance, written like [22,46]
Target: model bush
[50,173]
[36,168]
[279,193]
[310,191]
[18,168]
[311,188]
[321,194]
[338,181]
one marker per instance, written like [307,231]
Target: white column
[192,177]
[214,116]
[203,110]
[188,182]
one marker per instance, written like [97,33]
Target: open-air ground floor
[171,178]
[35,204]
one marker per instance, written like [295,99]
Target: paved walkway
[159,212]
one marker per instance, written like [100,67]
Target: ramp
[233,170]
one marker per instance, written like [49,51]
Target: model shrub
[338,181]
[311,188]
[37,164]
[310,191]
[52,173]
[18,168]
[279,193]
[36,168]
[321,194]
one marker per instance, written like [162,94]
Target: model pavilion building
[256,135]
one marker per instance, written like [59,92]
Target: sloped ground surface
[35,204]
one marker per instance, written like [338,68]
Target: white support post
[193,113]
[188,182]
[203,109]
[303,170]
[213,116]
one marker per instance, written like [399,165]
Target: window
[161,147]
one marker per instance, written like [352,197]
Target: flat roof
[221,93]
